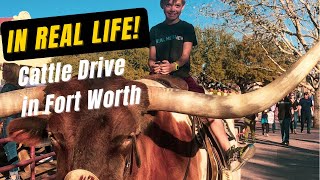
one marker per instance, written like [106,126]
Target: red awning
[5,19]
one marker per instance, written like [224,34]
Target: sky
[43,8]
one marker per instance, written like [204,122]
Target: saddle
[217,164]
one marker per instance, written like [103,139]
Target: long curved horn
[11,102]
[234,106]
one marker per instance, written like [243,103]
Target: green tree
[252,64]
[213,49]
[136,61]
[292,26]
[230,60]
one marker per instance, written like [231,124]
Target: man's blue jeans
[285,125]
[305,117]
[293,124]
[10,148]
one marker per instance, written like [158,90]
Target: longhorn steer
[103,141]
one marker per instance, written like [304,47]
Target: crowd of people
[294,108]
[288,112]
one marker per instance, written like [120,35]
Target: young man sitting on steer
[169,53]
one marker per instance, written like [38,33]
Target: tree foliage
[292,26]
[230,60]
[136,61]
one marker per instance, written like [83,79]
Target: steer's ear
[30,131]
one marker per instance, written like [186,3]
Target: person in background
[271,115]
[10,72]
[299,108]
[294,104]
[284,107]
[264,123]
[250,127]
[306,106]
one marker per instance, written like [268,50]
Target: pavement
[298,161]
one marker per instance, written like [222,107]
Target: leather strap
[212,160]
[190,150]
[134,153]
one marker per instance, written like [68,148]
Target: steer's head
[100,140]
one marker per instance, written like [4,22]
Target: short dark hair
[12,70]
[306,93]
[162,2]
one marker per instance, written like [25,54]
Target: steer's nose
[80,174]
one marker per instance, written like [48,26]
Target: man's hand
[166,67]
[155,68]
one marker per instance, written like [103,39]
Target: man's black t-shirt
[169,39]
[284,109]
[306,105]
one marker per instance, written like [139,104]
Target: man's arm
[312,106]
[154,68]
[167,68]
[185,57]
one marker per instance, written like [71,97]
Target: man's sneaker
[286,143]
[237,157]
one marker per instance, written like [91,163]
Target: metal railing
[32,161]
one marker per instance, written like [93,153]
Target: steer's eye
[122,142]
[126,143]
[55,141]
[52,138]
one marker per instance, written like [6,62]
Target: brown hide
[99,140]
[165,149]
[169,81]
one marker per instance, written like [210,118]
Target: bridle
[133,156]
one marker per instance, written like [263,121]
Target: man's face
[172,9]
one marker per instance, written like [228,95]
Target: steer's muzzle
[80,174]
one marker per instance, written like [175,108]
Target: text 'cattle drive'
[142,141]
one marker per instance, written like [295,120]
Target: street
[299,160]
